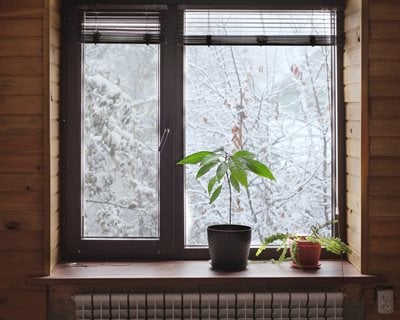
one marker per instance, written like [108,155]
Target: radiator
[213,306]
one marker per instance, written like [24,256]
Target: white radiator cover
[213,306]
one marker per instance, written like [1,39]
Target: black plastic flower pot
[229,246]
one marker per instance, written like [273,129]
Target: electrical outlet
[385,301]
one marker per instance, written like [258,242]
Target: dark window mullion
[170,112]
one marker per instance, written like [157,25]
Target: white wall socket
[385,301]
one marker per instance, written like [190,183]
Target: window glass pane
[274,101]
[120,140]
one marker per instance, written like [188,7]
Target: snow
[274,101]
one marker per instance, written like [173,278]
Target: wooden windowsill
[199,273]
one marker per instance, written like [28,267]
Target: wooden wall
[372,102]
[352,97]
[29,147]
[54,131]
[383,118]
[27,176]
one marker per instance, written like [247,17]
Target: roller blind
[259,27]
[125,26]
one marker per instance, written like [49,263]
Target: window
[145,85]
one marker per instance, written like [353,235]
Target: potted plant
[229,244]
[305,250]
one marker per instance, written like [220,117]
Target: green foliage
[331,244]
[234,167]
[283,237]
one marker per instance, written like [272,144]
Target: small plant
[232,168]
[289,241]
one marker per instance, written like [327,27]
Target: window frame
[171,115]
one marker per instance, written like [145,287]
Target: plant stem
[230,198]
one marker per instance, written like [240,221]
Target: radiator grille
[212,306]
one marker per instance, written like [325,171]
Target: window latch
[164,138]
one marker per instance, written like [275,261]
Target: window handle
[164,138]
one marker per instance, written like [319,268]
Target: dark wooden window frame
[171,242]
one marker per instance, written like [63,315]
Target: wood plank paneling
[354,205]
[21,164]
[21,201]
[352,99]
[354,237]
[352,38]
[21,47]
[352,74]
[21,105]
[353,148]
[389,268]
[353,166]
[353,129]
[27,260]
[21,8]
[384,226]
[353,184]
[20,66]
[353,111]
[351,57]
[384,187]
[384,11]
[20,182]
[30,221]
[388,50]
[352,93]
[21,85]
[21,27]
[18,240]
[385,167]
[21,144]
[384,69]
[31,124]
[384,127]
[385,147]
[386,245]
[384,107]
[21,158]
[384,30]
[54,130]
[384,207]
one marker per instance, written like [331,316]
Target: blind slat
[103,26]
[259,27]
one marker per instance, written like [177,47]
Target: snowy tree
[273,101]
[120,138]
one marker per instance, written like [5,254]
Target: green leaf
[244,154]
[194,157]
[204,169]
[221,170]
[211,184]
[235,183]
[209,159]
[272,238]
[215,194]
[259,169]
[238,173]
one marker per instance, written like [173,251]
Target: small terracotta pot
[307,254]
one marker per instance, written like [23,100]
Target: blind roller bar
[139,26]
[262,40]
